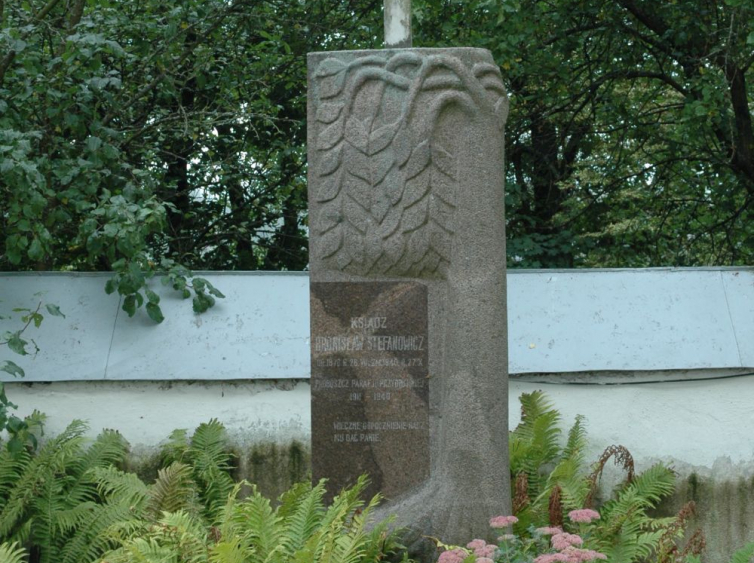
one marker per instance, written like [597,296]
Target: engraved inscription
[385,188]
[369,383]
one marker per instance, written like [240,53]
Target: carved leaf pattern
[387,192]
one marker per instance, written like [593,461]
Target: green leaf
[111,286]
[214,291]
[129,305]
[54,310]
[15,445]
[35,250]
[154,312]
[17,344]
[202,302]
[12,368]
[152,296]
[93,143]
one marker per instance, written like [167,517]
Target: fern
[39,471]
[117,486]
[302,510]
[11,553]
[625,532]
[744,554]
[252,531]
[173,490]
[208,456]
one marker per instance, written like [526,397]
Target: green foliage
[743,555]
[11,553]
[151,138]
[301,529]
[629,141]
[46,496]
[21,433]
[69,503]
[536,452]
[555,481]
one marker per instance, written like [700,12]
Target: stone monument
[407,260]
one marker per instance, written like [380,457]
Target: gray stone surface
[370,400]
[406,183]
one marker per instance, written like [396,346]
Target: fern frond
[744,554]
[51,459]
[210,459]
[577,441]
[12,553]
[91,538]
[533,406]
[231,550]
[645,491]
[109,448]
[262,524]
[301,513]
[11,468]
[141,550]
[176,447]
[534,443]
[173,490]
[117,486]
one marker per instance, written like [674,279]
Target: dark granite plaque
[370,396]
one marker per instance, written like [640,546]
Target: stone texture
[406,183]
[370,400]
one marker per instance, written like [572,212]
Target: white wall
[702,426]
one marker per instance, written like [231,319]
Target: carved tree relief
[387,188]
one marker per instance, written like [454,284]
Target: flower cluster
[482,550]
[584,516]
[564,540]
[562,547]
[570,555]
[453,556]
[503,521]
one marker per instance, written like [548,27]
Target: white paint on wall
[703,426]
[146,412]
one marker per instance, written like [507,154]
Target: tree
[630,138]
[152,137]
[156,137]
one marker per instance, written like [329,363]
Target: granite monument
[407,260]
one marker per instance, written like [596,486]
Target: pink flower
[549,530]
[585,515]
[453,556]
[487,550]
[551,558]
[577,555]
[474,544]
[563,540]
[503,521]
[484,560]
[506,537]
